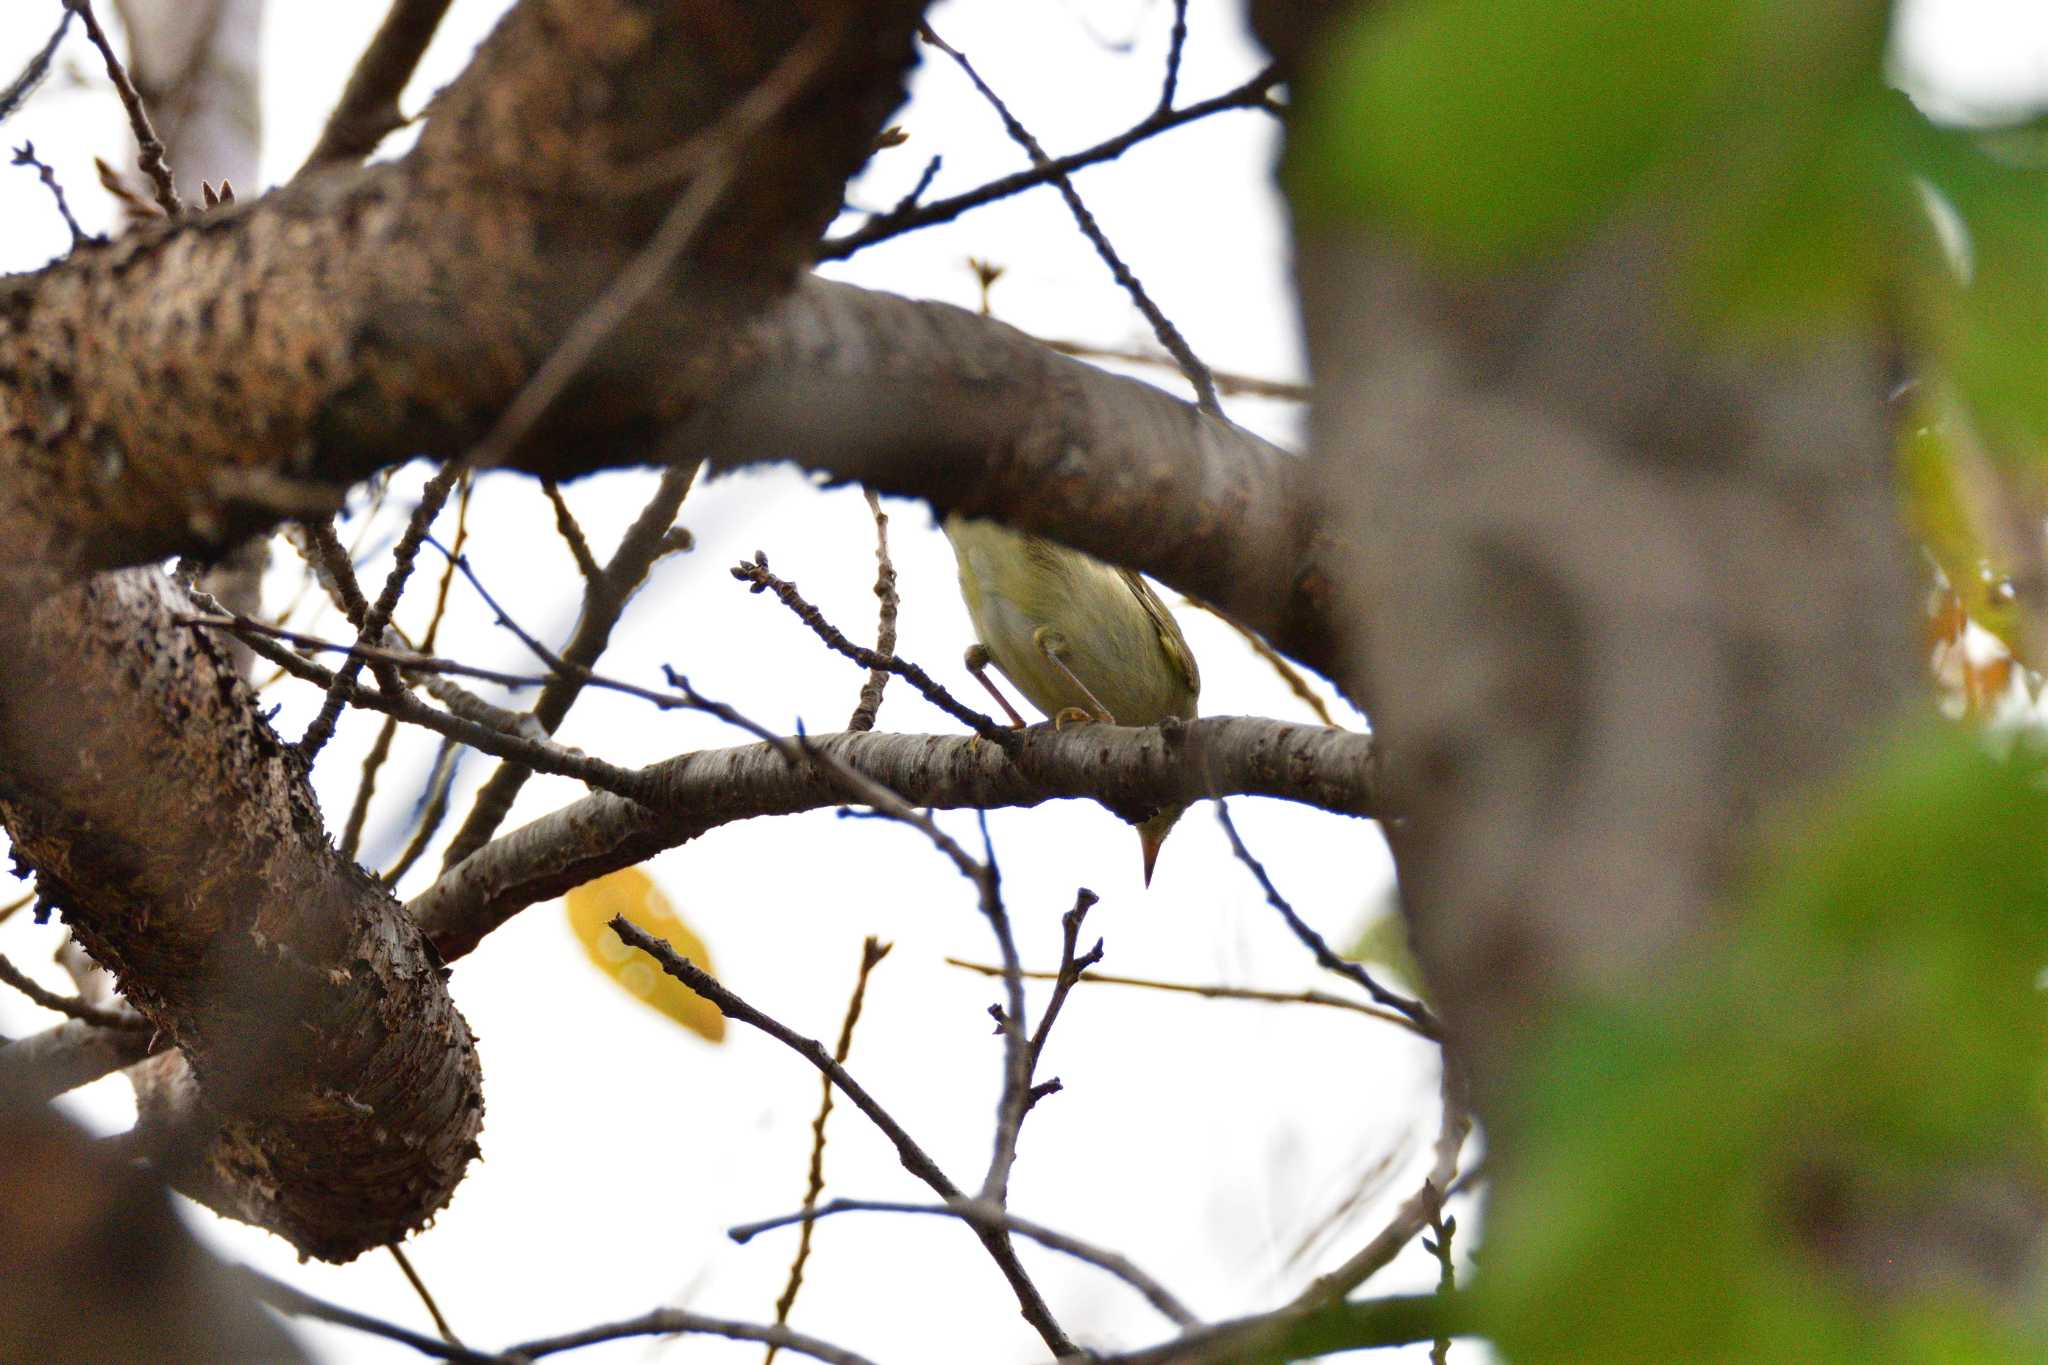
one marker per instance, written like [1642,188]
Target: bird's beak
[1153,833]
[1150,839]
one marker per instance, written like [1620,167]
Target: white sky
[1206,1140]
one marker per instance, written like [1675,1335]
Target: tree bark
[191,382]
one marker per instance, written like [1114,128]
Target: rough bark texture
[182,845]
[191,383]
[196,380]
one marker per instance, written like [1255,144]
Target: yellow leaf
[632,893]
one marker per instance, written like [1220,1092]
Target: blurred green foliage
[1741,1169]
[1762,1162]
[1496,133]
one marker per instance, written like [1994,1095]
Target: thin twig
[403,659]
[1323,998]
[35,72]
[297,1302]
[368,108]
[912,1156]
[419,1287]
[380,750]
[755,573]
[68,1005]
[1447,1275]
[572,533]
[604,603]
[1417,1212]
[540,755]
[885,628]
[1072,968]
[1162,326]
[21,902]
[1015,1100]
[336,570]
[433,808]
[1274,660]
[432,498]
[872,951]
[1227,381]
[1425,1021]
[924,182]
[666,1322]
[151,157]
[973,1211]
[1253,94]
[1176,43]
[25,155]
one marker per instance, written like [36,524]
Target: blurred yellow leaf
[1941,495]
[632,893]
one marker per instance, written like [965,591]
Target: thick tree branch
[344,1097]
[369,103]
[66,1056]
[931,401]
[1131,771]
[200,379]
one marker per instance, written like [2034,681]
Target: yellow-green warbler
[1080,639]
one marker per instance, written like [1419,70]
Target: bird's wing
[1170,639]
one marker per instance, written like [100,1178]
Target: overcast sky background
[1209,1141]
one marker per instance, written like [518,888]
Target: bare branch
[1293,1334]
[25,155]
[368,109]
[872,952]
[604,603]
[908,1152]
[152,159]
[924,400]
[870,706]
[1425,1021]
[665,1322]
[976,1211]
[1252,94]
[1162,327]
[69,1006]
[710,159]
[672,802]
[74,1053]
[1215,992]
[756,573]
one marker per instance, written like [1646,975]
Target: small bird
[1081,640]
